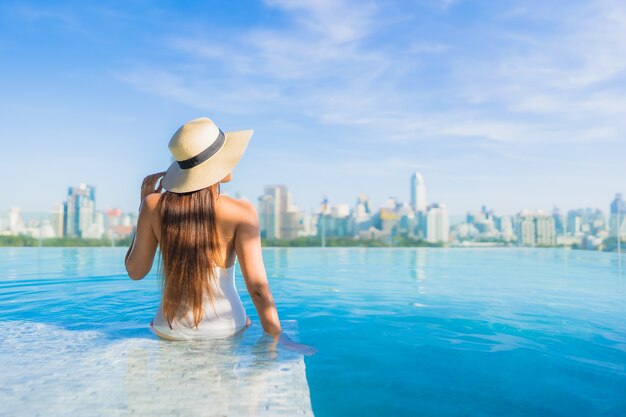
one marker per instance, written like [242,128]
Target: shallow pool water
[427,332]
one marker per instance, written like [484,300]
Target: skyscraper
[617,223]
[437,223]
[574,222]
[364,200]
[79,210]
[506,228]
[536,228]
[545,229]
[269,209]
[362,214]
[278,219]
[559,220]
[526,231]
[15,221]
[418,192]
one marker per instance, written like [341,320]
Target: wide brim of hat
[212,170]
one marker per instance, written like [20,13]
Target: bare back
[239,236]
[229,212]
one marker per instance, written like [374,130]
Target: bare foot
[289,344]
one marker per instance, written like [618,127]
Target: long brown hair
[188,250]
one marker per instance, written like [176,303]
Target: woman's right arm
[248,249]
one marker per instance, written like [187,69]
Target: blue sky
[504,103]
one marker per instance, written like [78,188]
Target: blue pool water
[402,332]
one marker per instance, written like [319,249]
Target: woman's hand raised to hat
[150,186]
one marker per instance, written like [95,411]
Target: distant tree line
[314,241]
[28,241]
[609,245]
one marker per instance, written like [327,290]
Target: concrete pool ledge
[53,371]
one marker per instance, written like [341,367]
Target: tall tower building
[559,220]
[437,224]
[506,228]
[15,220]
[275,216]
[617,224]
[79,210]
[362,214]
[574,222]
[418,192]
[545,229]
[526,231]
[364,200]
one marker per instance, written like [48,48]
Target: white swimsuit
[231,314]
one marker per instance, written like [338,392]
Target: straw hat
[203,155]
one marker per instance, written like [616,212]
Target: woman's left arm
[140,255]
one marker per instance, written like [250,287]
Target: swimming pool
[428,332]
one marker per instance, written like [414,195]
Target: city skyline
[406,199]
[496,103]
[417,221]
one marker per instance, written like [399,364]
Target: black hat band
[205,154]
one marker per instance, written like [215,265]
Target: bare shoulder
[151,201]
[149,210]
[237,211]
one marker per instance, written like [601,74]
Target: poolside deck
[54,371]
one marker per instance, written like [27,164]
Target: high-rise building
[291,223]
[483,221]
[16,225]
[526,231]
[559,220]
[114,217]
[388,221]
[598,222]
[96,228]
[308,224]
[267,217]
[364,200]
[617,224]
[407,222]
[506,228]
[392,204]
[117,225]
[277,217]
[362,214]
[336,221]
[545,229]
[79,210]
[418,192]
[574,222]
[437,223]
[536,228]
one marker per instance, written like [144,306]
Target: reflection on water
[52,371]
[279,258]
[419,270]
[77,261]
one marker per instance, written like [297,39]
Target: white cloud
[63,17]
[341,63]
[335,20]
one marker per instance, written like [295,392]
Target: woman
[200,233]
